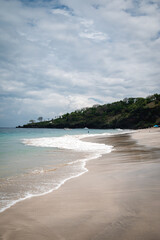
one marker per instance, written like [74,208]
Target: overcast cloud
[62,55]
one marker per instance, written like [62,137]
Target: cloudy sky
[57,56]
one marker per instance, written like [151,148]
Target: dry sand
[117,199]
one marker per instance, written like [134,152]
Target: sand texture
[117,199]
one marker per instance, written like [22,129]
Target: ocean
[34,162]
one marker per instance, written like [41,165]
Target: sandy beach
[117,199]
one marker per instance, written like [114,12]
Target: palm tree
[40,119]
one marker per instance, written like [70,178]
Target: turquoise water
[37,161]
[15,157]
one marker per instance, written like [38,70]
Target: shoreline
[82,160]
[94,198]
[93,138]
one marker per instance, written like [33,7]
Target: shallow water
[37,161]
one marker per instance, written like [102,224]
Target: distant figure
[88,131]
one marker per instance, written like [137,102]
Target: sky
[57,56]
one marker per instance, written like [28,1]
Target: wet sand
[117,199]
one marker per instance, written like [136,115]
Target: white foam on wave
[70,142]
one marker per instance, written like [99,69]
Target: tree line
[128,113]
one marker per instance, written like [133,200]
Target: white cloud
[94,35]
[61,12]
[58,58]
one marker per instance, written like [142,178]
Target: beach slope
[117,199]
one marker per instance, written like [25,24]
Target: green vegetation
[130,113]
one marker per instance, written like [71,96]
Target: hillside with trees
[129,113]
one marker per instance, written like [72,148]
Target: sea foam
[69,142]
